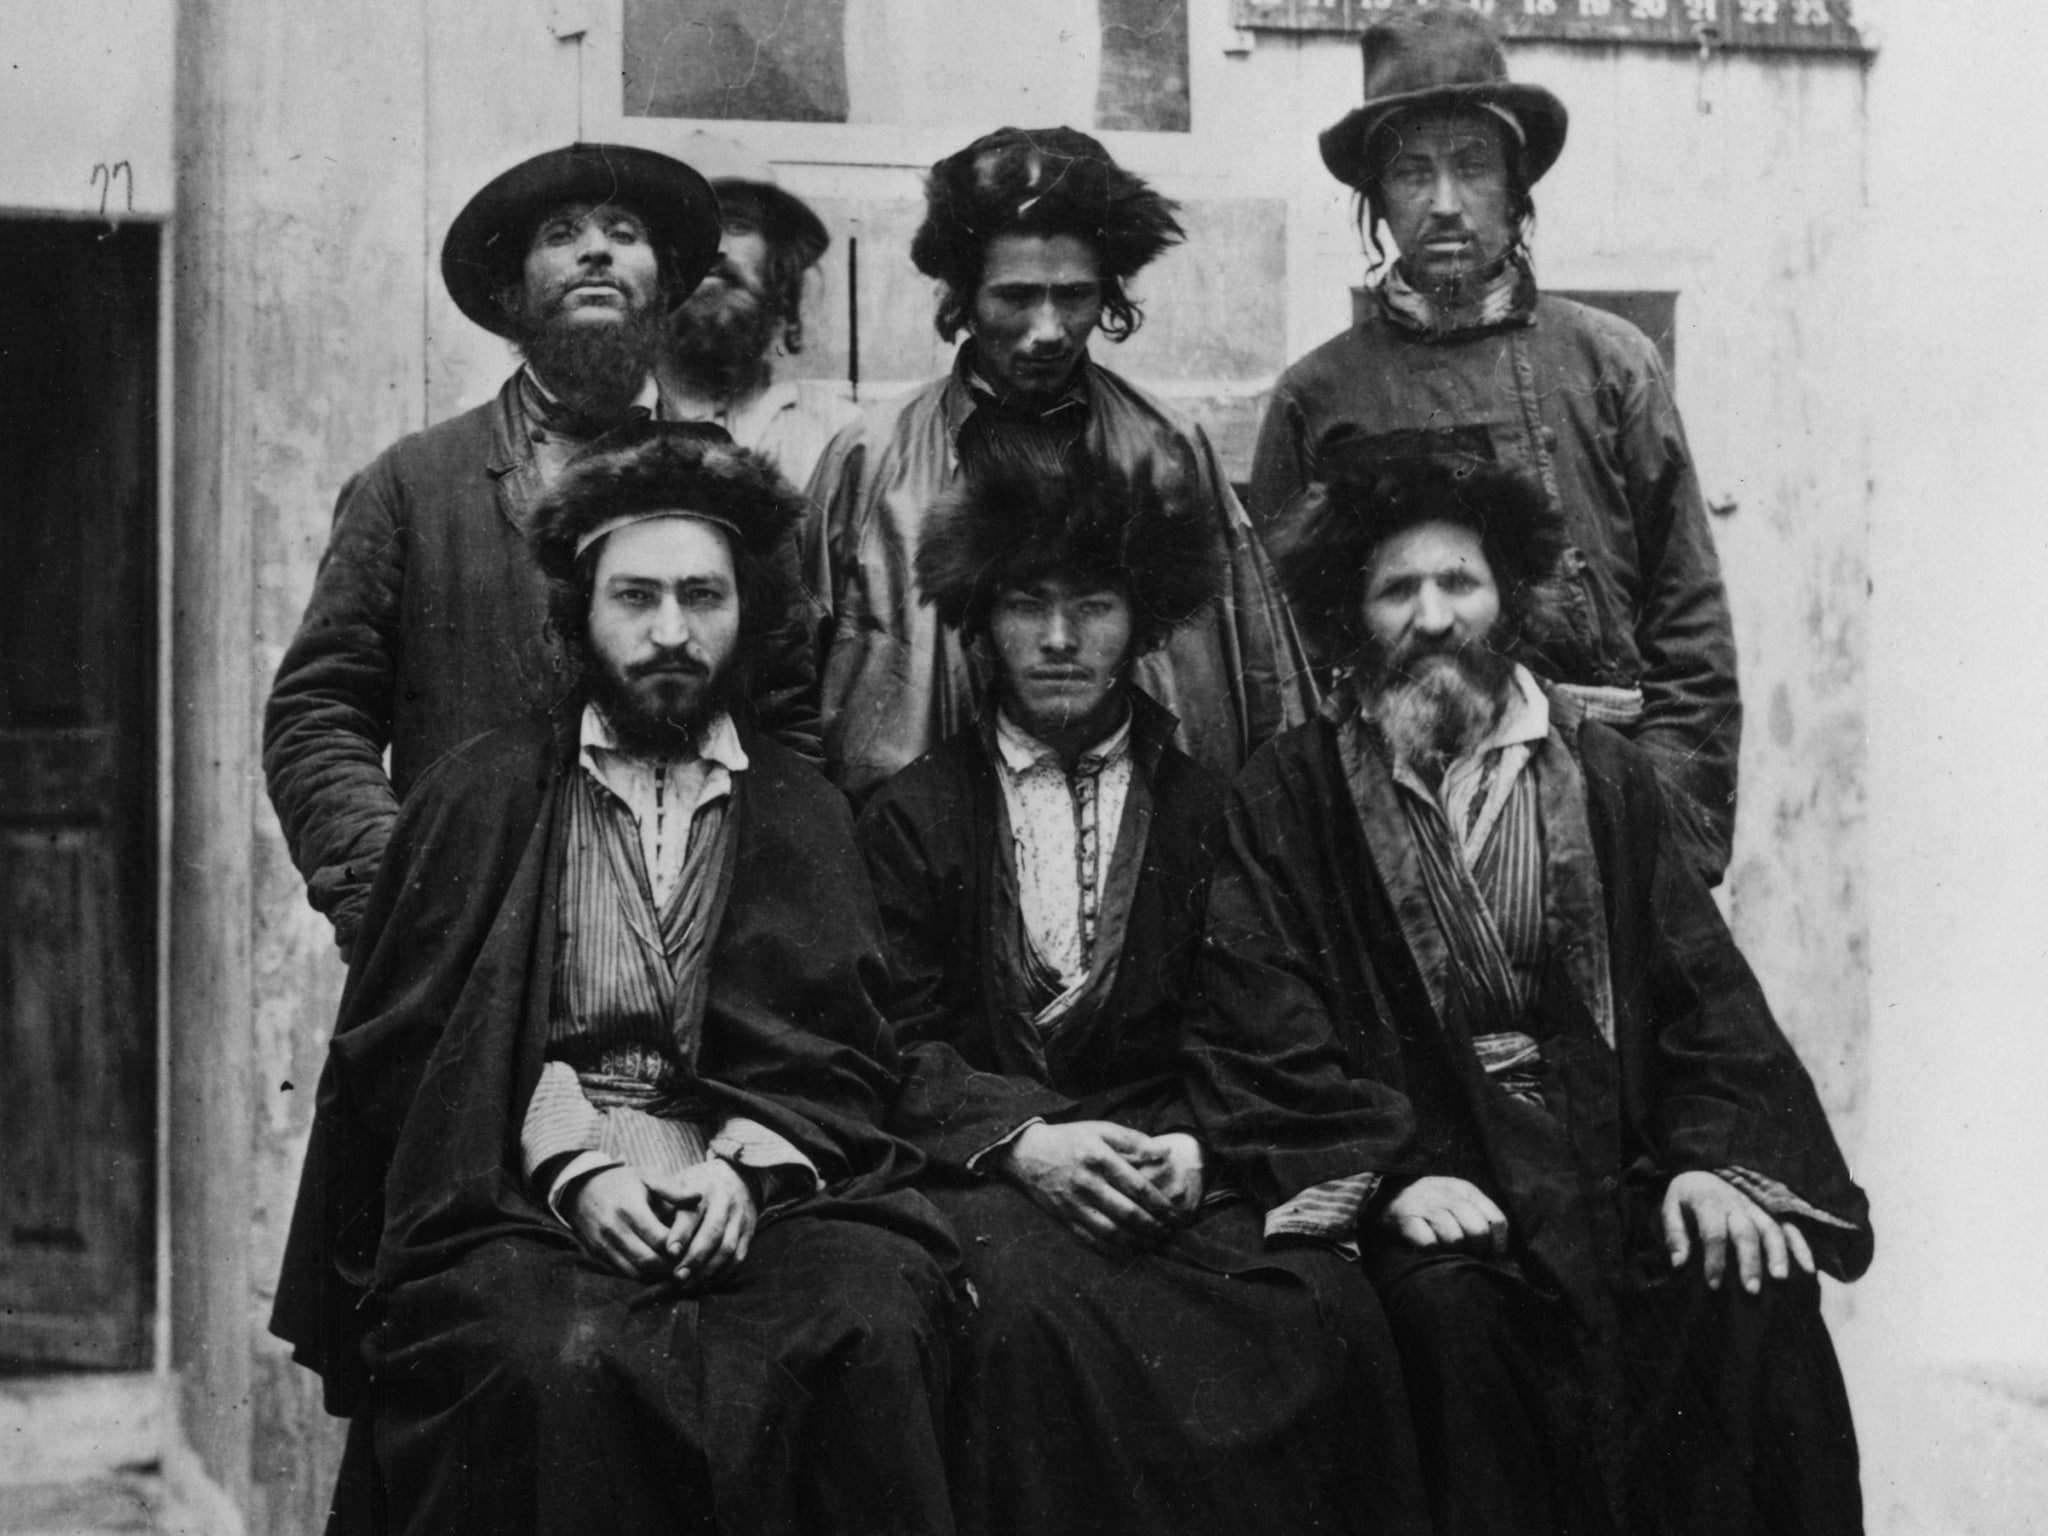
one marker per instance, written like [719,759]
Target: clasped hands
[695,1226]
[1699,1207]
[1115,1188]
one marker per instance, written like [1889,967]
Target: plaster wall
[86,109]
[321,157]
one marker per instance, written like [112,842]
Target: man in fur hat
[1457,345]
[1040,876]
[1468,1006]
[1034,237]
[719,364]
[427,622]
[597,1228]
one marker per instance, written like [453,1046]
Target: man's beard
[1437,704]
[721,339]
[598,368]
[664,706]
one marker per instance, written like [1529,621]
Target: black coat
[414,1158]
[1325,1048]
[974,1074]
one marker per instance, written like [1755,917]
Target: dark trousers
[529,1390]
[1720,1413]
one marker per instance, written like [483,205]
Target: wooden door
[78,791]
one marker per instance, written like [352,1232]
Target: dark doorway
[78,791]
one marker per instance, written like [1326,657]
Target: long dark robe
[1209,1386]
[1329,1046]
[424,1280]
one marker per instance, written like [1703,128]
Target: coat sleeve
[1692,709]
[329,717]
[1281,465]
[1270,1079]
[949,1108]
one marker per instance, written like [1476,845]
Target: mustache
[668,663]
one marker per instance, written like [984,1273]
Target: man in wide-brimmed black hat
[427,622]
[1464,1007]
[1457,345]
[1034,237]
[720,363]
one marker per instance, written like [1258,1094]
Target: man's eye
[629,234]
[633,597]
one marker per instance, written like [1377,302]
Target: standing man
[720,361]
[1467,1006]
[1458,351]
[1032,236]
[597,1229]
[1041,876]
[427,622]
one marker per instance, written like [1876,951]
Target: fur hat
[658,466]
[1143,530]
[487,243]
[1038,181]
[1326,541]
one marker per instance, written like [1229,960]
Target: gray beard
[1437,708]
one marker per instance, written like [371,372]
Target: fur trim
[1144,530]
[1041,181]
[1326,541]
[654,465]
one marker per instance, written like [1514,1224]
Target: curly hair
[1324,550]
[1045,182]
[1143,530]
[657,466]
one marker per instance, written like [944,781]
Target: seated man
[597,1230]
[1135,1363]
[1466,1005]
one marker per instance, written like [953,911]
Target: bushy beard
[663,706]
[720,338]
[599,369]
[1435,705]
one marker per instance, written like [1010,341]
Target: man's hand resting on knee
[695,1225]
[1113,1187]
[1438,1211]
[1723,1218]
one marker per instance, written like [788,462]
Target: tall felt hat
[488,240]
[1441,58]
[732,167]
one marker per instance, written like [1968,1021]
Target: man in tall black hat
[598,1229]
[1467,1006]
[1040,876]
[1034,236]
[1456,347]
[427,622]
[721,360]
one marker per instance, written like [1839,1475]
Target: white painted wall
[86,84]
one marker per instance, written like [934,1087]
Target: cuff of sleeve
[786,1174]
[1326,1212]
[1779,1201]
[974,1162]
[579,1167]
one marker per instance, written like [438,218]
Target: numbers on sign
[1760,13]
[1648,10]
[1596,7]
[1810,13]
[1539,7]
[1702,13]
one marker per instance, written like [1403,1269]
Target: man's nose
[1445,199]
[1433,615]
[1046,332]
[667,627]
[594,244]
[1061,636]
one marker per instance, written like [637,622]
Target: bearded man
[1469,1008]
[1457,350]
[427,623]
[719,364]
[1040,876]
[597,1228]
[1033,236]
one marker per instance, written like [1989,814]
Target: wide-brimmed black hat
[488,240]
[1441,58]
[731,167]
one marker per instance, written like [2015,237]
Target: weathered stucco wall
[322,155]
